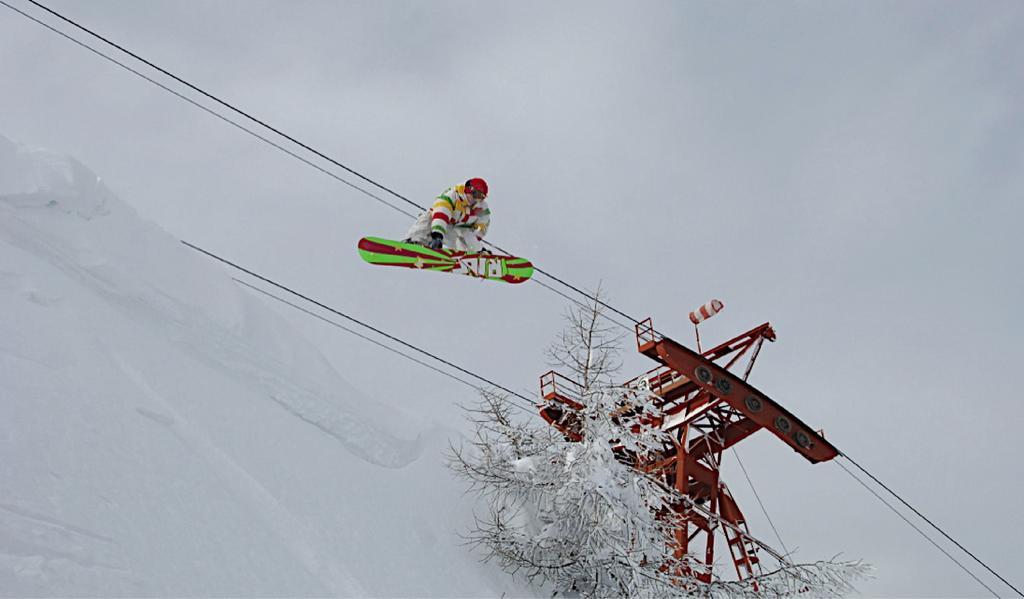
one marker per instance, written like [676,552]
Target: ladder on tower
[743,549]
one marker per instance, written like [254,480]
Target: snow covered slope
[162,432]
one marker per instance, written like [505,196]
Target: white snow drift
[162,432]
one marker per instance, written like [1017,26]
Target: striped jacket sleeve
[441,212]
[483,219]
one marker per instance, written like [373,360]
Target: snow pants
[463,239]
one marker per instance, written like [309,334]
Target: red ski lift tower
[707,408]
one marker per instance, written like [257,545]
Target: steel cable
[915,527]
[357,334]
[357,321]
[269,127]
[932,524]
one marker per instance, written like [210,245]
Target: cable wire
[275,144]
[578,303]
[206,109]
[358,334]
[357,321]
[932,524]
[759,502]
[227,105]
[269,127]
[571,286]
[919,531]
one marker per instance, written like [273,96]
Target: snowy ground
[163,432]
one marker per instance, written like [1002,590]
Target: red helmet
[476,185]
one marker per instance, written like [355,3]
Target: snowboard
[493,267]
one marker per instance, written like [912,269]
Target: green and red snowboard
[387,252]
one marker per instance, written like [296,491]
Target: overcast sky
[849,171]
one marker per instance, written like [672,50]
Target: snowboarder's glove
[436,240]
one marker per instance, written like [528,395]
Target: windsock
[706,311]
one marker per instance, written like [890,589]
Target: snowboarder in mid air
[458,219]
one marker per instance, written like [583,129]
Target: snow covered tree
[572,510]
